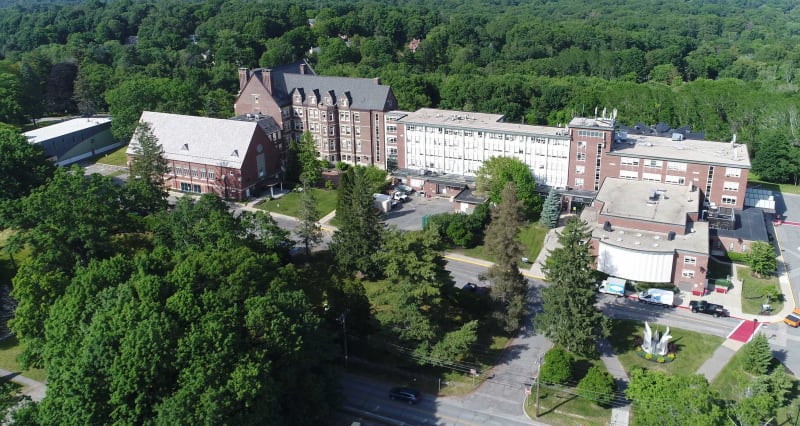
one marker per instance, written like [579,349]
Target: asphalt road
[788,206]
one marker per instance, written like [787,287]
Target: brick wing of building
[344,115]
[230,158]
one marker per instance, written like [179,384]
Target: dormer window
[185,147]
[235,153]
[313,100]
[344,102]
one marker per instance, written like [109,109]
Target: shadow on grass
[564,398]
[625,336]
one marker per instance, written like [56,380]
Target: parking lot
[408,215]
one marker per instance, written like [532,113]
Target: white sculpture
[654,345]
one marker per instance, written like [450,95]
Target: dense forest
[721,67]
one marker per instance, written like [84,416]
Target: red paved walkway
[745,331]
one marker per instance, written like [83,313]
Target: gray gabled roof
[364,93]
[200,139]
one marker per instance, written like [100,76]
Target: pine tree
[757,355]
[145,191]
[361,231]
[551,210]
[569,316]
[509,287]
[308,230]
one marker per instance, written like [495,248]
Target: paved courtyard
[408,216]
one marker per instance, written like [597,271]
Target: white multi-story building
[457,143]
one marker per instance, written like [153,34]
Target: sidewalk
[621,408]
[35,390]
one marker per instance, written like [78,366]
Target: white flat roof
[631,199]
[687,150]
[64,128]
[475,121]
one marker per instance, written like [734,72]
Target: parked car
[708,308]
[470,287]
[793,319]
[400,196]
[409,395]
[405,188]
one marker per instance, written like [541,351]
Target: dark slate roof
[266,122]
[750,226]
[662,129]
[468,196]
[364,93]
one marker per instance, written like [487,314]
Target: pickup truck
[793,319]
[708,308]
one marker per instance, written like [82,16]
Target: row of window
[195,173]
[188,187]
[591,134]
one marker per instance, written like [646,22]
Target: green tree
[597,386]
[308,159]
[777,159]
[495,172]
[361,231]
[673,399]
[90,86]
[309,229]
[569,315]
[145,190]
[551,210]
[761,258]
[23,165]
[757,355]
[557,366]
[509,288]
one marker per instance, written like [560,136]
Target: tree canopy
[492,177]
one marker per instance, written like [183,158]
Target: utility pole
[343,320]
[538,380]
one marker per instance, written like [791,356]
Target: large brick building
[230,158]
[344,115]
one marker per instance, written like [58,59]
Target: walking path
[35,390]
[621,408]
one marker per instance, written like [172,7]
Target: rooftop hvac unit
[670,235]
[607,226]
[677,136]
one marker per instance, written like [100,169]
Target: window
[675,180]
[731,186]
[185,172]
[581,156]
[674,166]
[578,182]
[231,173]
[653,163]
[196,188]
[195,173]
[627,174]
[391,129]
[628,161]
[211,174]
[689,260]
[687,273]
[590,133]
[581,144]
[733,172]
[186,187]
[356,117]
[651,177]
[728,200]
[579,170]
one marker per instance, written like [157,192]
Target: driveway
[408,216]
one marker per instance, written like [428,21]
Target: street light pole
[538,380]
[343,319]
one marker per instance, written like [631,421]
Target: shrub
[671,356]
[661,360]
[757,355]
[737,257]
[557,367]
[597,386]
[648,356]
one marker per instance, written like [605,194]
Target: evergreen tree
[757,355]
[307,158]
[551,210]
[361,231]
[145,191]
[309,230]
[509,288]
[569,316]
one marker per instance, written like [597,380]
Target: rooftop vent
[607,227]
[670,235]
[677,136]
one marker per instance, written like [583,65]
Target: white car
[400,196]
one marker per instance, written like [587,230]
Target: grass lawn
[115,158]
[289,204]
[754,182]
[531,237]
[10,348]
[693,348]
[560,406]
[752,287]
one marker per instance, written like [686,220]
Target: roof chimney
[377,80]
[302,68]
[244,75]
[266,80]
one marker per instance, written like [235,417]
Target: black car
[409,395]
[470,287]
